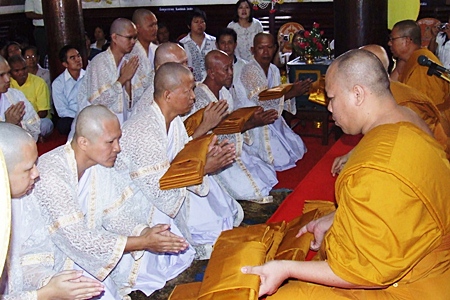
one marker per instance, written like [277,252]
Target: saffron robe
[392,218]
[201,212]
[249,177]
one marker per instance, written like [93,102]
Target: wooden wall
[218,17]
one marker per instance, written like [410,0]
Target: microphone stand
[433,71]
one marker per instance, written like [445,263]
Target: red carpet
[51,142]
[318,184]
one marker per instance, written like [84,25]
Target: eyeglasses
[399,37]
[134,37]
[30,56]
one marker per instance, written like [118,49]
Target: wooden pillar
[64,25]
[358,23]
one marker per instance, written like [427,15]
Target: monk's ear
[82,142]
[359,94]
[166,95]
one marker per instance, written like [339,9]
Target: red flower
[272,11]
[302,45]
[322,32]
[316,25]
[306,34]
[319,47]
[314,40]
[255,7]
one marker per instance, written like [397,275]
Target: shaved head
[140,14]
[262,35]
[213,57]
[13,141]
[169,52]
[379,52]
[360,67]
[2,60]
[90,122]
[119,25]
[168,77]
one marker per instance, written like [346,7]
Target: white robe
[100,85]
[249,177]
[277,142]
[201,212]
[89,220]
[30,121]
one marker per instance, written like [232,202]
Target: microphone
[425,61]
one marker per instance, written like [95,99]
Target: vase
[309,59]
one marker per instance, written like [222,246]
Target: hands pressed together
[15,113]
[219,155]
[261,117]
[160,239]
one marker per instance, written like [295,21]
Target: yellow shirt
[36,91]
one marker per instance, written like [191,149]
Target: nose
[329,107]
[34,172]
[117,148]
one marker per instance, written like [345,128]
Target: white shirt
[36,7]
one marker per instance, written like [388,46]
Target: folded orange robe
[275,92]
[187,168]
[234,122]
[193,121]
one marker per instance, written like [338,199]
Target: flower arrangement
[310,42]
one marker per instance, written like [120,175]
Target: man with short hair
[99,219]
[405,44]
[65,87]
[30,271]
[115,78]
[32,57]
[147,28]
[203,211]
[389,237]
[35,90]
[14,107]
[248,178]
[276,143]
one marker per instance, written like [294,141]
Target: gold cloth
[193,121]
[234,122]
[187,168]
[275,92]
[317,92]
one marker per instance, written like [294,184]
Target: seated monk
[389,236]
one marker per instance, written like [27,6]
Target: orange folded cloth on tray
[187,168]
[193,121]
[235,121]
[275,92]
[317,92]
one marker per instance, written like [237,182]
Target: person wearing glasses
[31,55]
[405,45]
[115,78]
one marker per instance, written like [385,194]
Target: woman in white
[440,45]
[246,28]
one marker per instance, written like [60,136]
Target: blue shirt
[64,92]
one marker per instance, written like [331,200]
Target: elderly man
[405,44]
[115,78]
[147,28]
[32,57]
[35,90]
[202,212]
[248,178]
[402,252]
[30,272]
[14,107]
[66,86]
[283,147]
[99,219]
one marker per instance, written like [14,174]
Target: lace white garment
[245,37]
[31,255]
[100,85]
[94,238]
[196,55]
[248,178]
[146,98]
[30,121]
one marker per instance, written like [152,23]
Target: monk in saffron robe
[389,237]
[405,44]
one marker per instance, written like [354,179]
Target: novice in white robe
[201,212]
[90,220]
[249,177]
[277,142]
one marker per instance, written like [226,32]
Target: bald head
[140,14]
[90,122]
[411,29]
[263,36]
[379,52]
[13,142]
[169,52]
[360,67]
[119,25]
[168,77]
[213,57]
[2,60]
